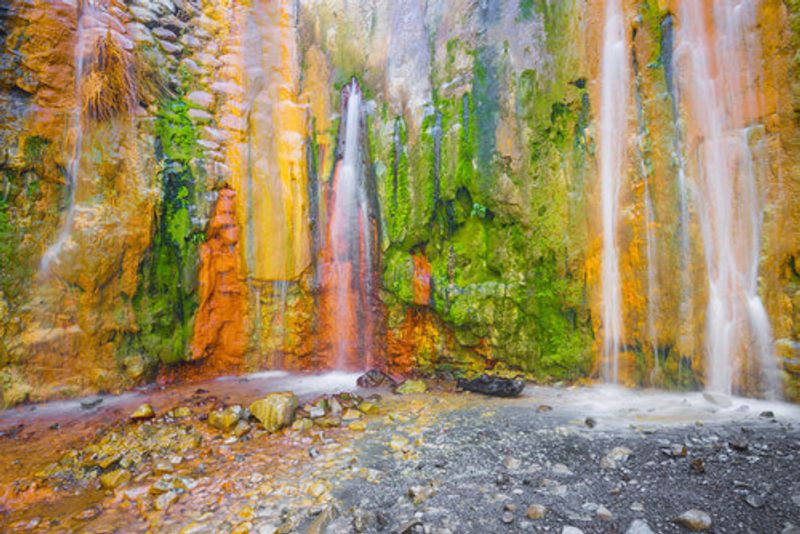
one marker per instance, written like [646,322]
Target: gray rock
[639,526]
[615,458]
[164,34]
[201,99]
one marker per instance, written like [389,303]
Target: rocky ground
[562,460]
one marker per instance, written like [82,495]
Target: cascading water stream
[87,19]
[613,124]
[718,77]
[348,255]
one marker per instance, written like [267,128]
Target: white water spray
[613,125]
[718,76]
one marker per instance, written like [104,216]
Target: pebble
[536,511]
[508,518]
[696,520]
[615,457]
[639,526]
[590,422]
[604,514]
[571,530]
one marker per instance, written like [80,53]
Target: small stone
[768,414]
[508,518]
[302,424]
[351,414]
[756,501]
[145,411]
[604,514]
[114,479]
[512,463]
[536,511]
[162,485]
[367,407]
[163,468]
[89,513]
[181,412]
[677,450]
[698,466]
[571,530]
[242,428]
[637,507]
[88,404]
[789,528]
[329,421]
[165,500]
[696,520]
[313,452]
[639,526]
[590,422]
[316,411]
[544,408]
[358,426]
[615,457]
[275,411]
[226,419]
[398,442]
[412,386]
[421,493]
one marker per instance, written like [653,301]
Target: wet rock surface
[493,386]
[436,463]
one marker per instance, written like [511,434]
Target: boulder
[493,386]
[275,411]
[375,378]
[412,386]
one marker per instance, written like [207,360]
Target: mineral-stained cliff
[167,173]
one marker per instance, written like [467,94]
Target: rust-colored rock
[219,329]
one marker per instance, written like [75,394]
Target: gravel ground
[479,469]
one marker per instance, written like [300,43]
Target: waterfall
[718,76]
[349,255]
[613,124]
[87,22]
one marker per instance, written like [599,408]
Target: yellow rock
[114,479]
[276,410]
[145,411]
[367,407]
[412,386]
[225,419]
[352,414]
[302,424]
[359,426]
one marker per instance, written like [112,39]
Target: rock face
[176,181]
[275,411]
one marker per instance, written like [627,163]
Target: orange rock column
[219,329]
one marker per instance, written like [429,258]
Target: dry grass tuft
[109,84]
